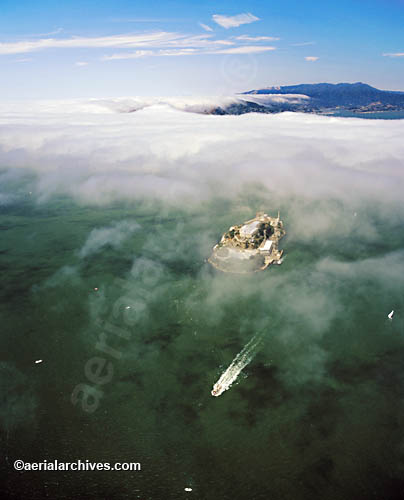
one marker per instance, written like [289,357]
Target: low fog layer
[167,154]
[131,104]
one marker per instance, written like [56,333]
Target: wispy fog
[113,235]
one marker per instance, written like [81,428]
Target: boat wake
[242,359]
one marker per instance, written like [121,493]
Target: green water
[317,413]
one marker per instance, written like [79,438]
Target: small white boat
[390,316]
[38,361]
[217,390]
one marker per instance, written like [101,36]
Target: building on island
[250,230]
[251,246]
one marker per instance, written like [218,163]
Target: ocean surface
[380,115]
[317,414]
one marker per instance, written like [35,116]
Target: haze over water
[97,207]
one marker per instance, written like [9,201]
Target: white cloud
[147,53]
[311,58]
[49,33]
[54,32]
[205,27]
[246,49]
[147,44]
[156,39]
[394,54]
[128,55]
[177,52]
[302,44]
[234,21]
[256,38]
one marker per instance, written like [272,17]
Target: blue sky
[102,48]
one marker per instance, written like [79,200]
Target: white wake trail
[242,359]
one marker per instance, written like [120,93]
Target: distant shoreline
[369,115]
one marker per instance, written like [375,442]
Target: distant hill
[327,96]
[343,99]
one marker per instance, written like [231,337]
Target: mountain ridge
[358,96]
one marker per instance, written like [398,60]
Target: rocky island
[249,247]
